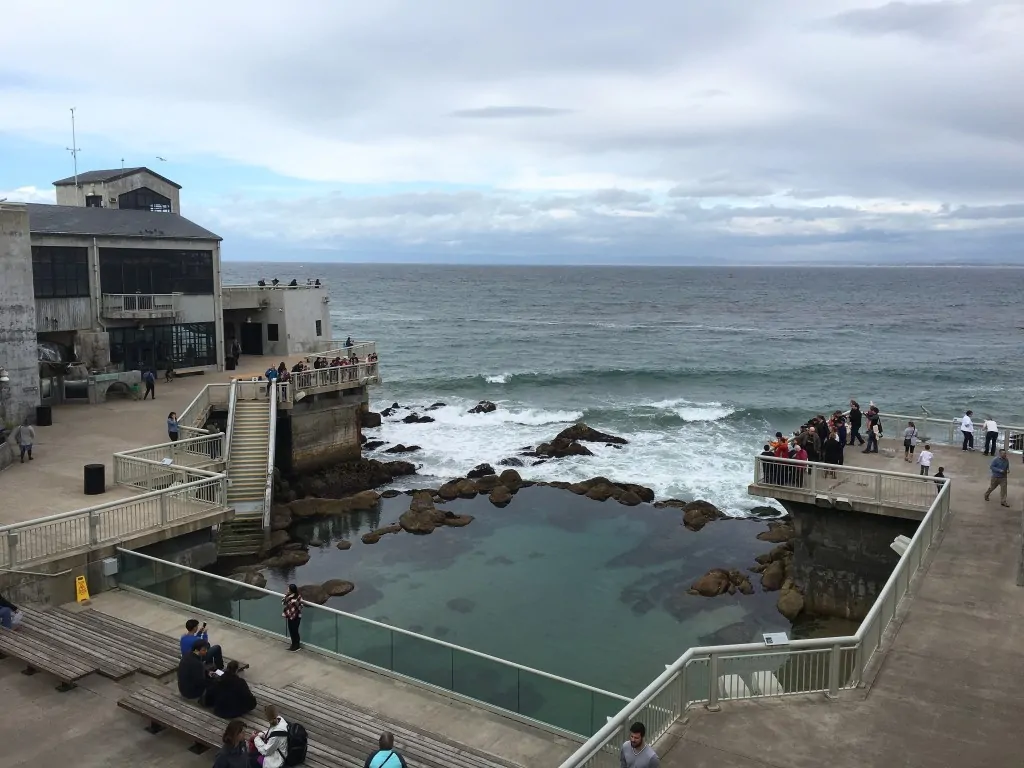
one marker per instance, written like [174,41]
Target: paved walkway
[92,434]
[950,690]
[85,729]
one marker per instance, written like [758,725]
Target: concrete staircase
[247,477]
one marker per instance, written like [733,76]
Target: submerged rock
[415,418]
[402,448]
[500,496]
[699,513]
[344,544]
[511,461]
[337,587]
[560,447]
[582,432]
[484,406]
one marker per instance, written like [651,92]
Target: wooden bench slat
[108,665]
[42,657]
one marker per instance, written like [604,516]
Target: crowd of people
[275,283]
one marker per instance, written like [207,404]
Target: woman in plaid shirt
[293,613]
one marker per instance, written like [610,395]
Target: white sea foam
[500,378]
[690,411]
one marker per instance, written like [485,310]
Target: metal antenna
[74,150]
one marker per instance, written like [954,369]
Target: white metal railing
[712,674]
[268,491]
[332,378]
[332,348]
[270,287]
[190,420]
[116,304]
[232,399]
[947,431]
[246,389]
[191,493]
[202,451]
[812,478]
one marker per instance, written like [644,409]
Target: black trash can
[44,416]
[95,479]
[229,363]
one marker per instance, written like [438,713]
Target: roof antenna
[74,149]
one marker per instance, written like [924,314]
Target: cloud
[571,128]
[29,194]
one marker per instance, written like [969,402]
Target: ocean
[695,367]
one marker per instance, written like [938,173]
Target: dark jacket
[192,679]
[855,417]
[232,698]
[5,603]
[233,757]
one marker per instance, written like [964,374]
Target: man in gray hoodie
[25,435]
[636,753]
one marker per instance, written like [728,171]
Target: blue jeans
[26,449]
[215,656]
[6,618]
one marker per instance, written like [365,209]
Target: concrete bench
[348,728]
[42,656]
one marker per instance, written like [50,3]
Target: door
[252,338]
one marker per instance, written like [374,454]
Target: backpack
[297,743]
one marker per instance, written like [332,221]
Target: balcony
[140,306]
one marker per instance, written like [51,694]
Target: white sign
[776,638]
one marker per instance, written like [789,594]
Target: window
[183,346]
[94,201]
[155,270]
[60,272]
[319,329]
[144,199]
[272,332]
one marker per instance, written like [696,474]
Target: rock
[484,406]
[791,603]
[369,419]
[388,412]
[466,489]
[276,541]
[780,552]
[777,533]
[370,538]
[741,581]
[561,447]
[642,491]
[250,577]
[511,480]
[435,406]
[765,512]
[763,559]
[511,461]
[699,513]
[773,576]
[290,559]
[313,593]
[676,503]
[402,448]
[449,490]
[400,468]
[487,483]
[582,432]
[362,439]
[629,498]
[315,542]
[372,445]
[422,516]
[579,488]
[457,521]
[500,496]
[759,568]
[390,493]
[602,492]
[337,587]
[345,478]
[280,518]
[542,461]
[713,583]
[343,544]
[374,536]
[480,470]
[294,545]
[415,418]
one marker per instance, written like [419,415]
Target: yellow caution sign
[81,589]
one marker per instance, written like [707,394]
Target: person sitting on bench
[233,697]
[272,744]
[194,632]
[194,679]
[8,610]
[235,752]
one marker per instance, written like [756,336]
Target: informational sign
[771,639]
[81,590]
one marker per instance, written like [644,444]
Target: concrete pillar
[18,353]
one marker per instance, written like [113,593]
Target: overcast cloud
[657,130]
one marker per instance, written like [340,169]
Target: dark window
[155,270]
[319,329]
[94,201]
[272,332]
[183,346]
[60,272]
[144,199]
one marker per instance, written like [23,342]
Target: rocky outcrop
[480,470]
[511,480]
[400,448]
[773,576]
[313,593]
[435,406]
[777,533]
[500,496]
[560,447]
[374,536]
[484,406]
[341,479]
[699,513]
[344,544]
[602,489]
[423,517]
[250,576]
[369,419]
[487,483]
[372,445]
[511,461]
[359,502]
[275,541]
[290,559]
[719,581]
[791,601]
[280,518]
[581,432]
[337,587]
[415,418]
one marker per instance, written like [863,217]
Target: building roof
[112,174]
[112,222]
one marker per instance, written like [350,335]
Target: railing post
[712,705]
[12,549]
[94,528]
[833,672]
[813,471]
[878,489]
[163,508]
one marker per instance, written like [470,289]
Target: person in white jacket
[272,743]
[967,429]
[991,436]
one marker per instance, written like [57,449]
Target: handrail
[271,451]
[388,627]
[1008,431]
[232,400]
[928,526]
[865,470]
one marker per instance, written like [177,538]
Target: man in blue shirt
[271,374]
[193,634]
[1000,468]
[385,757]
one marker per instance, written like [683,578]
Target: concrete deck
[84,728]
[92,434]
[950,689]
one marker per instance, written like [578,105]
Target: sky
[574,131]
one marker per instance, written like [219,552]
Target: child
[940,478]
[925,459]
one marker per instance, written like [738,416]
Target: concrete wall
[843,559]
[18,353]
[69,195]
[323,432]
[64,314]
[294,311]
[302,310]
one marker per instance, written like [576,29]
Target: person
[833,451]
[235,752]
[272,744]
[909,441]
[25,435]
[924,459]
[798,472]
[194,679]
[636,753]
[349,342]
[7,611]
[293,614]
[233,697]
[855,422]
[169,373]
[172,426]
[294,283]
[874,433]
[991,436]
[275,282]
[236,351]
[271,376]
[1000,469]
[261,283]
[967,430]
[386,756]
[149,379]
[317,282]
[194,633]
[768,470]
[940,478]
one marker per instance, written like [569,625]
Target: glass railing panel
[365,642]
[423,659]
[319,627]
[485,680]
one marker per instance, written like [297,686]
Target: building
[19,378]
[137,189]
[278,320]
